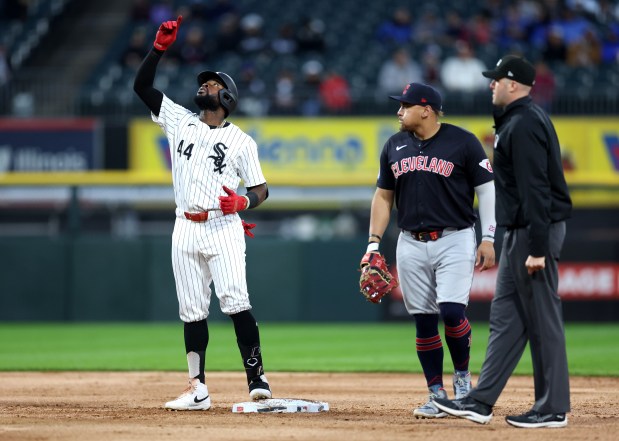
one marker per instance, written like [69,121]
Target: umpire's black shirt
[530,186]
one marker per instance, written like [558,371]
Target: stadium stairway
[73,47]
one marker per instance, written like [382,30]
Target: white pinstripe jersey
[205,159]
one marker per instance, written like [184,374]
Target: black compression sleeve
[254,200]
[143,83]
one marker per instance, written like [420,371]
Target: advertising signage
[50,145]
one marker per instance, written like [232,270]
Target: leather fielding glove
[233,202]
[376,281]
[167,33]
[247,227]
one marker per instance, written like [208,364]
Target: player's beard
[207,102]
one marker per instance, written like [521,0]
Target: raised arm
[145,77]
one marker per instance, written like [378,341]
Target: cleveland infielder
[209,157]
[432,170]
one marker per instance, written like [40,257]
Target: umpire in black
[532,205]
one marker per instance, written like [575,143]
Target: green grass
[317,347]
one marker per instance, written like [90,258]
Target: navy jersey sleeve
[385,180]
[478,168]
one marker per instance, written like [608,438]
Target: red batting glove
[247,227]
[233,202]
[167,33]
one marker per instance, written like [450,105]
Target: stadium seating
[351,49]
[23,36]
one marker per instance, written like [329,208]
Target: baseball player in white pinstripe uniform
[209,158]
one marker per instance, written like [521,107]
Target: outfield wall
[101,278]
[92,278]
[82,277]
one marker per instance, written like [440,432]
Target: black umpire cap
[419,94]
[513,67]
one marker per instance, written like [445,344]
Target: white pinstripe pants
[205,252]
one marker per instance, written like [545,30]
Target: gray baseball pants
[527,309]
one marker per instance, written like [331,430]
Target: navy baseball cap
[419,94]
[513,67]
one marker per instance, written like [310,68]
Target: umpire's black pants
[527,308]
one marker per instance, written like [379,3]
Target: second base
[280,405]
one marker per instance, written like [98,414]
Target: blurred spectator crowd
[292,59]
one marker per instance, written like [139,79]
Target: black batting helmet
[229,95]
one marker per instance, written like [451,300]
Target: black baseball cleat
[259,389]
[533,420]
[467,407]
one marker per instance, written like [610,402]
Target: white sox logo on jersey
[218,159]
[420,163]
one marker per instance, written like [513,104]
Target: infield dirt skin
[99,406]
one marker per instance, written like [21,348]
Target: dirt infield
[99,406]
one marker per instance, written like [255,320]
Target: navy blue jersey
[434,179]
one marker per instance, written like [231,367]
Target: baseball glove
[376,281]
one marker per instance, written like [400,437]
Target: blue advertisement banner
[50,145]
